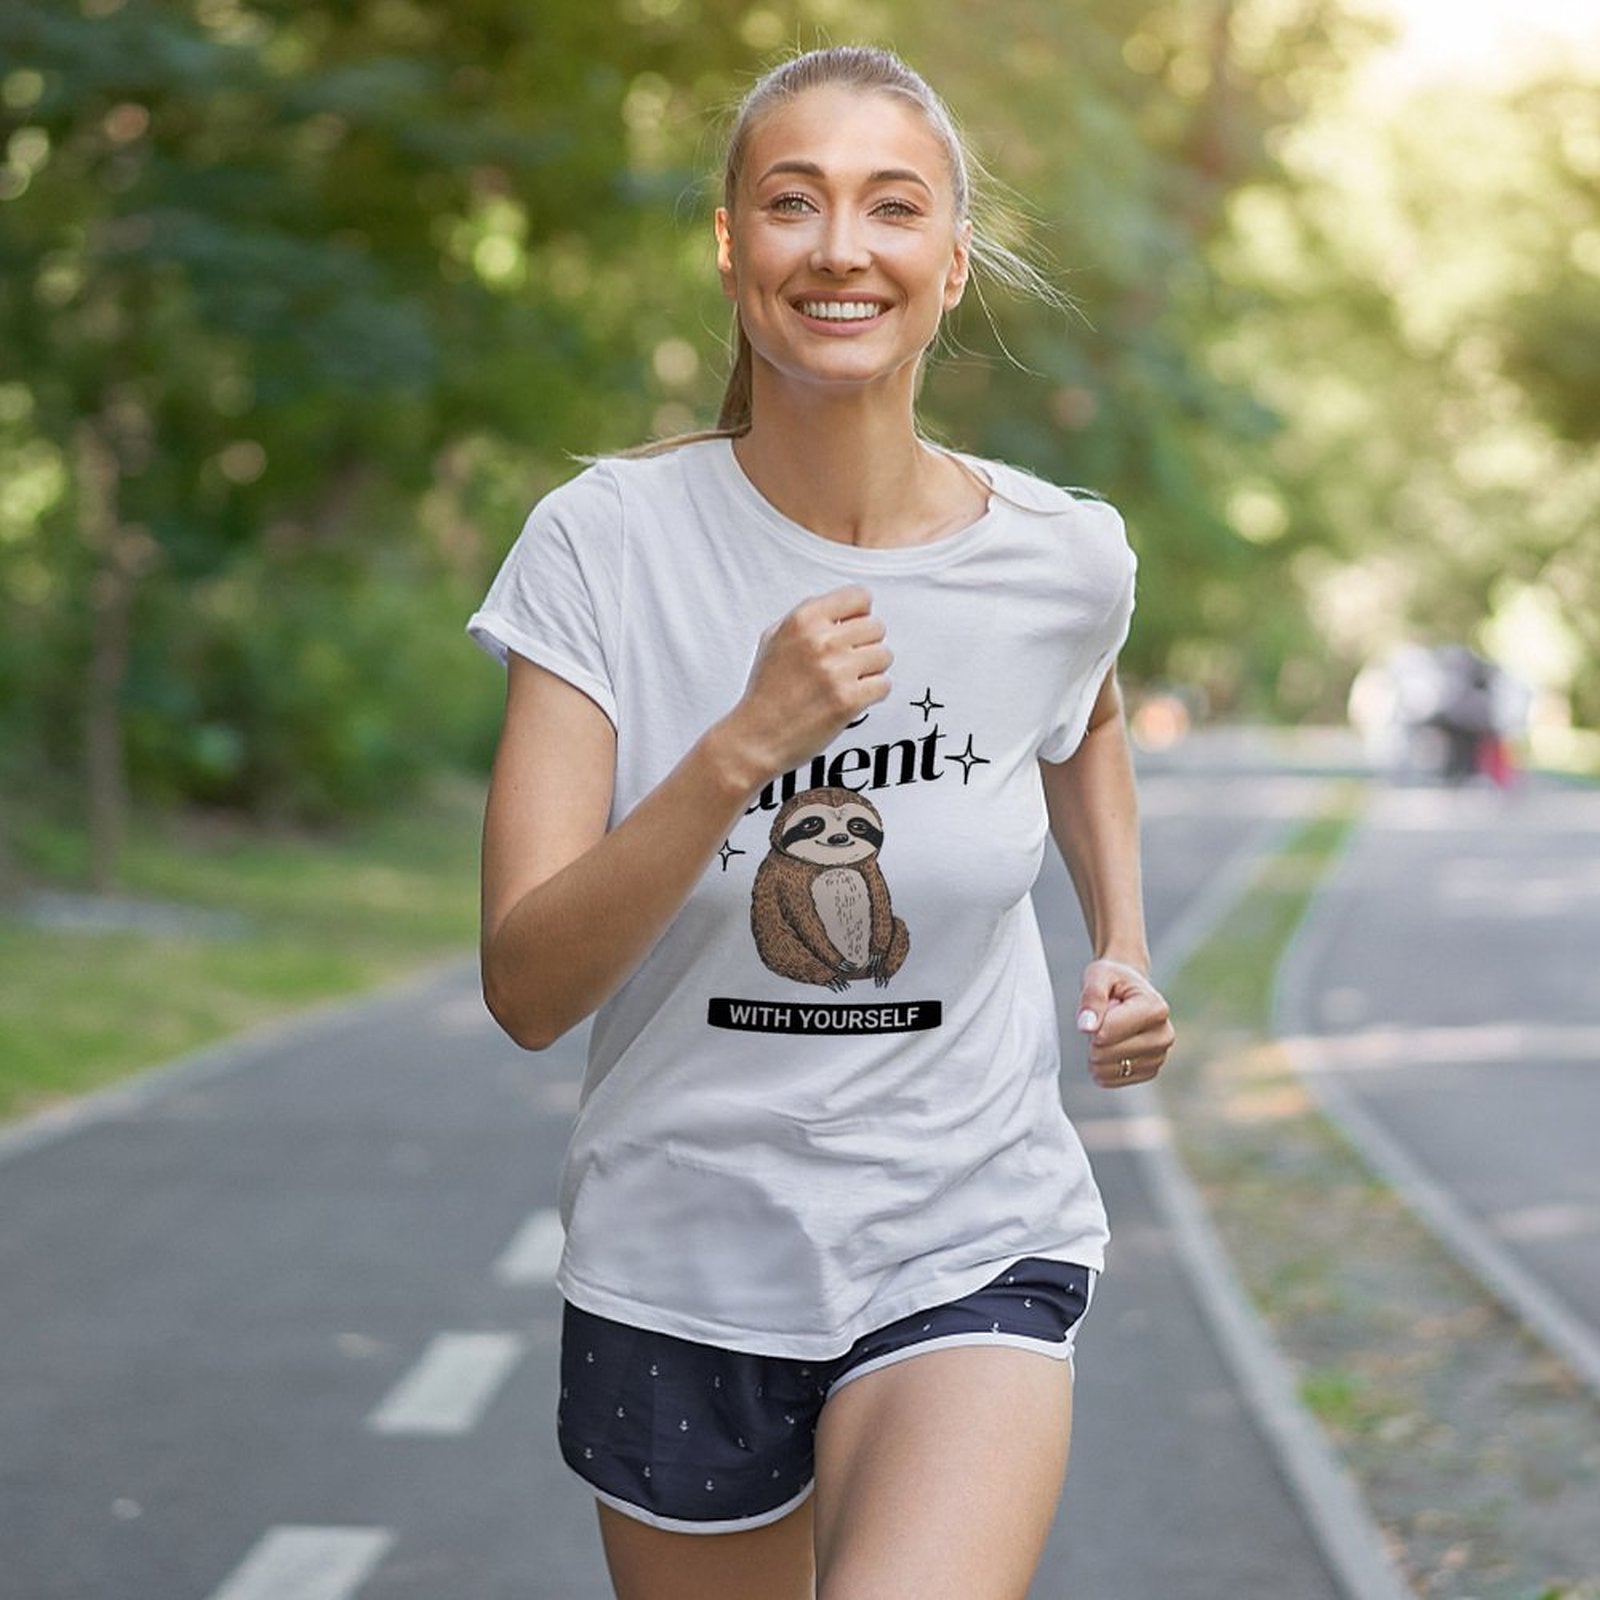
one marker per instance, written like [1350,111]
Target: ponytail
[735,416]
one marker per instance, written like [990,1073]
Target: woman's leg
[938,1477]
[770,1563]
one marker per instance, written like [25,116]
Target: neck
[849,466]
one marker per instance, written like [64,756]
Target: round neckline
[854,557]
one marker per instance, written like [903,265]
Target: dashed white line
[533,1255]
[450,1388]
[294,1563]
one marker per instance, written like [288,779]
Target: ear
[725,252]
[955,283]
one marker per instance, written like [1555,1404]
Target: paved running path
[1448,980]
[283,1330]
[1171,1492]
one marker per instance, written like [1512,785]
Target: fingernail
[1088,1021]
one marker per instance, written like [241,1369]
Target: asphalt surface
[1446,988]
[219,1296]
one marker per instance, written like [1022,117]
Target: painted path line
[307,1564]
[533,1255]
[450,1388]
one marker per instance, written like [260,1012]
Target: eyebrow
[809,169]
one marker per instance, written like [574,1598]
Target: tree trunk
[117,552]
[8,871]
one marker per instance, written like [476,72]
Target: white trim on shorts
[1058,1351]
[683,1525]
[1062,1350]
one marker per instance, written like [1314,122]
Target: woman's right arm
[570,909]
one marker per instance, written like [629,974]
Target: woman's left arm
[1094,817]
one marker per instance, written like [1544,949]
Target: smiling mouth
[841,310]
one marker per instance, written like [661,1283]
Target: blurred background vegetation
[302,305]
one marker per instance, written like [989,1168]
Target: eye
[895,209]
[791,203]
[805,828]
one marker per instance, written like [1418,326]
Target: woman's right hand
[815,672]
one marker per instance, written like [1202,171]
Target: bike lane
[1441,999]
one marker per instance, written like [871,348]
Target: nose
[838,838]
[840,248]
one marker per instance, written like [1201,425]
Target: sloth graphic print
[820,910]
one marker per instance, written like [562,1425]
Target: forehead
[849,134]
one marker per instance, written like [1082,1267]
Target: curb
[1537,1307]
[127,1097]
[1332,1504]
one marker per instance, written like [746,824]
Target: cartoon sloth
[820,909]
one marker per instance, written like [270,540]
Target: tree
[1427,330]
[261,290]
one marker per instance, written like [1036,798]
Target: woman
[821,1130]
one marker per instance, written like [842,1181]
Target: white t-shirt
[829,1096]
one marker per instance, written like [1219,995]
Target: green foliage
[340,290]
[1427,323]
[253,690]
[240,245]
[1554,353]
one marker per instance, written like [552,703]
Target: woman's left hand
[1128,1023]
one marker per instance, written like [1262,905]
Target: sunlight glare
[1487,40]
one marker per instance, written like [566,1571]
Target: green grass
[1478,1453]
[318,916]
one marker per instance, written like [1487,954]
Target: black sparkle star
[927,705]
[968,761]
[727,852]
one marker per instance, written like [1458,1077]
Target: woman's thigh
[769,1563]
[939,1476]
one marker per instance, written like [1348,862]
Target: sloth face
[832,836]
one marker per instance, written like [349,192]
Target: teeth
[841,310]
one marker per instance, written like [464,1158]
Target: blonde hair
[871,71]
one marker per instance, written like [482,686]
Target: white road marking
[532,1257]
[1557,1221]
[307,1564]
[450,1388]
[1464,1044]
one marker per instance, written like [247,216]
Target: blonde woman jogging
[792,709]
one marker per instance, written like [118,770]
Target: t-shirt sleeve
[557,597]
[1101,632]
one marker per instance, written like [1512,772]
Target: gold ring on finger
[1126,1063]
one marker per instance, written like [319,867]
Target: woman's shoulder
[661,466]
[604,477]
[1027,491]
[588,494]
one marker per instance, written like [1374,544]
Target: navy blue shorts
[697,1439]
